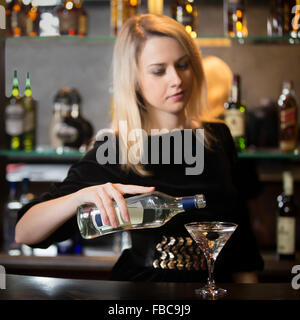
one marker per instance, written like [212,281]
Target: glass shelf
[45,153]
[202,40]
[268,153]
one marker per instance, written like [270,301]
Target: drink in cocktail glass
[211,238]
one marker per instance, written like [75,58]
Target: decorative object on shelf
[235,23]
[120,11]
[235,115]
[14,116]
[286,220]
[155,6]
[145,211]
[288,125]
[68,128]
[186,13]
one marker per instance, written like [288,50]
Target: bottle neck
[235,90]
[197,201]
[15,87]
[288,187]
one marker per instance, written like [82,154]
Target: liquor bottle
[286,220]
[86,127]
[68,18]
[32,20]
[14,118]
[235,116]
[119,11]
[155,6]
[185,12]
[275,20]
[235,23]
[29,138]
[145,211]
[288,125]
[82,19]
[10,219]
[17,15]
[295,19]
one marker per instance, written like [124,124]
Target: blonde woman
[158,94]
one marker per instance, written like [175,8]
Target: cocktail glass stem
[210,268]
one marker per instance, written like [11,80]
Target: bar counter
[46,288]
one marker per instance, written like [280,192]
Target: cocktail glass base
[211,293]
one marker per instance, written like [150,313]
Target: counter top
[45,288]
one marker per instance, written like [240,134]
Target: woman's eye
[158,72]
[182,65]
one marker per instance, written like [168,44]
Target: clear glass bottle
[235,115]
[146,211]
[286,220]
[288,125]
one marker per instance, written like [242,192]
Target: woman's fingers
[120,201]
[133,189]
[109,207]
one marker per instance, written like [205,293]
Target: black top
[225,187]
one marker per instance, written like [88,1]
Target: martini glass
[211,238]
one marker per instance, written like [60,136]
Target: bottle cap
[200,201]
[288,183]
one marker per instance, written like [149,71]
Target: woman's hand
[103,195]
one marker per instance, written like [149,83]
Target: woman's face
[165,75]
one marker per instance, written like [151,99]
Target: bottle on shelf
[235,115]
[275,20]
[86,127]
[16,17]
[146,211]
[186,13]
[294,19]
[14,118]
[120,11]
[32,19]
[235,22]
[68,18]
[82,18]
[9,221]
[286,220]
[155,6]
[288,125]
[29,137]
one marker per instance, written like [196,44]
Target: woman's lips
[177,96]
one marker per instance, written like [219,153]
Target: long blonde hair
[127,102]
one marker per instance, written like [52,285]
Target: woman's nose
[175,77]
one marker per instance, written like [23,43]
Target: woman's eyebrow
[162,63]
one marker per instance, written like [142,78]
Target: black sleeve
[86,172]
